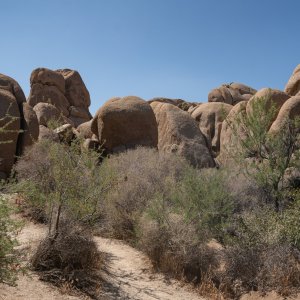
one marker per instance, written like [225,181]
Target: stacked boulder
[182,104]
[232,93]
[59,97]
[210,117]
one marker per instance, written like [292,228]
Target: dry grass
[71,259]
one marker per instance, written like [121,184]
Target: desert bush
[57,179]
[262,155]
[136,176]
[72,257]
[178,227]
[63,183]
[176,248]
[9,257]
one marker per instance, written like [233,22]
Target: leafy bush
[64,184]
[9,257]
[262,155]
[57,179]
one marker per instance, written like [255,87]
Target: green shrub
[264,156]
[9,257]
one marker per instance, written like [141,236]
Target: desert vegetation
[216,205]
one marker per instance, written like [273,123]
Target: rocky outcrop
[232,93]
[230,131]
[182,104]
[65,90]
[78,96]
[273,99]
[288,111]
[123,123]
[179,133]
[293,85]
[210,117]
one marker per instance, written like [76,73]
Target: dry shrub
[176,248]
[280,270]
[137,175]
[70,258]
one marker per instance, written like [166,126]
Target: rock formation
[123,123]
[210,117]
[232,93]
[179,133]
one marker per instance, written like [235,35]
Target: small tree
[263,155]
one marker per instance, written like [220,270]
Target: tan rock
[232,93]
[65,133]
[76,91]
[125,123]
[46,113]
[47,77]
[210,117]
[40,93]
[85,129]
[179,133]
[274,98]
[231,133]
[288,111]
[293,85]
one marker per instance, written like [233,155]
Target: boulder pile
[57,108]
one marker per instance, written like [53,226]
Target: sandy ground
[29,287]
[128,274]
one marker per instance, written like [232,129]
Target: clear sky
[170,48]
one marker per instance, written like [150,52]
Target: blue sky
[170,48]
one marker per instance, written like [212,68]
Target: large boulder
[9,84]
[210,117]
[288,111]
[30,128]
[179,133]
[231,133]
[9,130]
[123,123]
[273,99]
[232,93]
[293,85]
